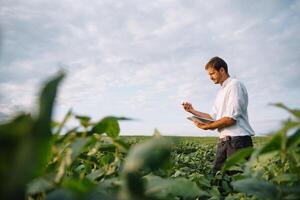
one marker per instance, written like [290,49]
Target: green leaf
[121,144]
[70,194]
[124,118]
[214,193]
[239,156]
[77,146]
[171,188]
[289,124]
[148,155]
[46,102]
[28,142]
[293,140]
[195,177]
[108,187]
[259,188]
[274,144]
[41,134]
[141,157]
[79,186]
[55,124]
[39,185]
[66,118]
[60,193]
[226,187]
[95,174]
[16,146]
[107,147]
[84,120]
[295,112]
[279,141]
[108,125]
[291,192]
[286,178]
[19,127]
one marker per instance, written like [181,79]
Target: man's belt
[228,138]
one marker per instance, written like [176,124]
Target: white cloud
[145,58]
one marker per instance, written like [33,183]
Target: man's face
[214,75]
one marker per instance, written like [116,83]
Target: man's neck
[224,79]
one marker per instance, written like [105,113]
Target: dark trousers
[226,148]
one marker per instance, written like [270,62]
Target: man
[229,111]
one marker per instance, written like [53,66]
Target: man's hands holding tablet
[200,122]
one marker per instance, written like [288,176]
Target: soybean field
[45,159]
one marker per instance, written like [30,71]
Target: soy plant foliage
[43,159]
[274,166]
[25,145]
[34,160]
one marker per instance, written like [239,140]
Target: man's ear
[222,70]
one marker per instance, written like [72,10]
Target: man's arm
[200,114]
[221,123]
[236,102]
[189,108]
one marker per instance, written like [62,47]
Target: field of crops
[42,159]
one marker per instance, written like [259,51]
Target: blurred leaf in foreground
[25,144]
[141,158]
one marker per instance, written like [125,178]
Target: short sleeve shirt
[232,101]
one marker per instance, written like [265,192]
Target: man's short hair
[217,63]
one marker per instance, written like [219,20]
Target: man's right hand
[187,106]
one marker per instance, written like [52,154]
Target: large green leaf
[259,188]
[286,178]
[18,127]
[160,188]
[46,102]
[78,186]
[278,141]
[274,144]
[61,194]
[294,139]
[108,125]
[39,185]
[295,112]
[42,128]
[266,190]
[84,120]
[69,193]
[214,193]
[77,146]
[15,154]
[146,156]
[239,156]
[31,141]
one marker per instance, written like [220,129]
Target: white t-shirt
[232,101]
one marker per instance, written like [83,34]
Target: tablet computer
[201,119]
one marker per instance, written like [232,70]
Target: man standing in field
[229,111]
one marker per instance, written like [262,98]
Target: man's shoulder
[236,83]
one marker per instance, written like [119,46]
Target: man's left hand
[200,125]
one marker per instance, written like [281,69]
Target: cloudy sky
[141,59]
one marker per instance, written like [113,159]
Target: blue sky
[141,59]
